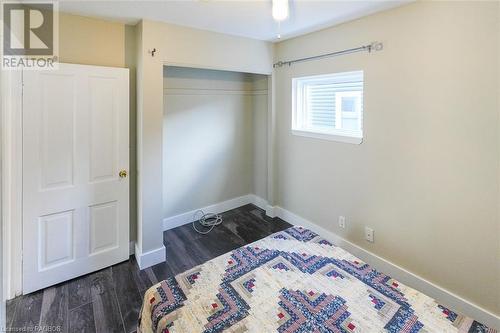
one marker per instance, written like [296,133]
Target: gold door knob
[123,174]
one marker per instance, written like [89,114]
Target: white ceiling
[250,18]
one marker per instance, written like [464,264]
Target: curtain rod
[374,46]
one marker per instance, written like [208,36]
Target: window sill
[330,137]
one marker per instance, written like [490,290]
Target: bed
[293,281]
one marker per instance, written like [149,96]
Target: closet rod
[374,46]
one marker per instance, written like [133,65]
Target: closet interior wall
[214,137]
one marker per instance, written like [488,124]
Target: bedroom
[351,120]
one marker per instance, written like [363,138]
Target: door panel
[103,227]
[103,129]
[56,239]
[75,142]
[57,118]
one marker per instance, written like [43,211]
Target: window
[329,106]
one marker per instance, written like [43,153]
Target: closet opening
[215,141]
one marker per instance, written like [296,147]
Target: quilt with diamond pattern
[292,281]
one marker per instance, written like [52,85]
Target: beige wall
[212,148]
[426,176]
[130,62]
[188,47]
[91,41]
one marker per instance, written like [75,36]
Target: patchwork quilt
[292,281]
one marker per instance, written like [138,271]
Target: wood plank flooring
[109,300]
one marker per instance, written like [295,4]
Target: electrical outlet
[369,234]
[342,222]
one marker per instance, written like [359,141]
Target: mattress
[293,281]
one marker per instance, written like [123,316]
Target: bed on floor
[292,281]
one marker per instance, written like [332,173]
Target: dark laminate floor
[109,300]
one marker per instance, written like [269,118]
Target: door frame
[271,122]
[12,208]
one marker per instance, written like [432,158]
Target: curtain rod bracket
[376,46]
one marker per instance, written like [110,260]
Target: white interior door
[75,195]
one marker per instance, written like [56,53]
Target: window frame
[299,115]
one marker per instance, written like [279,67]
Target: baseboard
[258,201]
[270,211]
[150,258]
[185,218]
[442,295]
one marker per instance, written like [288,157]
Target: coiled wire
[207,220]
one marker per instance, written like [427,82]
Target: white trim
[150,258]
[258,201]
[271,136]
[330,137]
[193,92]
[187,217]
[337,77]
[444,296]
[218,68]
[11,160]
[221,207]
[270,211]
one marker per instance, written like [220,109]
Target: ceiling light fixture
[280,10]
[280,13]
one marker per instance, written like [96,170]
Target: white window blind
[329,105]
